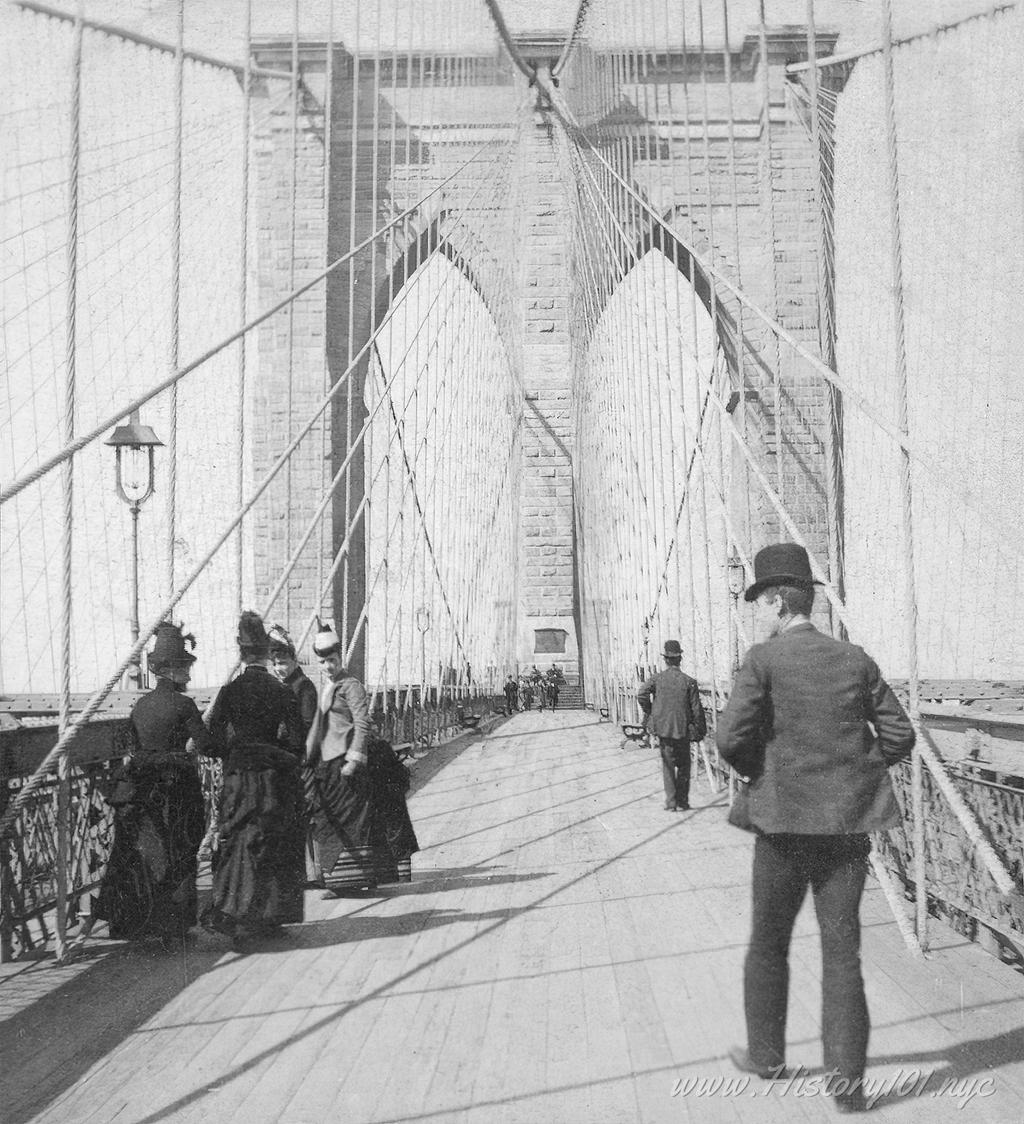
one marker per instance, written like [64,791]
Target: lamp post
[134,445]
[737,583]
[423,624]
[645,632]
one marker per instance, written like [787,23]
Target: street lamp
[134,445]
[645,632]
[737,583]
[423,624]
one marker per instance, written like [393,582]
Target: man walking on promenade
[511,694]
[671,705]
[814,726]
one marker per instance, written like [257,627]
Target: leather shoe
[741,1060]
[670,806]
[851,1102]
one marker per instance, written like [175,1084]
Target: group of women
[309,795]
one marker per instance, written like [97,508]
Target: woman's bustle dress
[149,885]
[259,870]
[361,829]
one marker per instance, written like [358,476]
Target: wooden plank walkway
[568,953]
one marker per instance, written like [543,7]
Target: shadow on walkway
[51,1043]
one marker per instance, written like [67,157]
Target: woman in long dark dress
[392,839]
[258,871]
[149,886]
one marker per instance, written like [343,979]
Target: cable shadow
[48,1046]
[543,733]
[461,878]
[543,811]
[189,1099]
[503,799]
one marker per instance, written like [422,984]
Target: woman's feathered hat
[281,642]
[171,648]
[252,636]
[326,642]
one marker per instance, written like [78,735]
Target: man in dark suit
[672,711]
[814,726]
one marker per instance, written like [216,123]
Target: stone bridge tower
[546,608]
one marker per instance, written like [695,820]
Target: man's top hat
[326,640]
[171,648]
[252,636]
[782,563]
[672,649]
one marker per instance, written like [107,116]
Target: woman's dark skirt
[149,886]
[260,867]
[362,833]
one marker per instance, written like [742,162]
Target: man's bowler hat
[672,649]
[783,563]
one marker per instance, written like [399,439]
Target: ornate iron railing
[29,854]
[984,744]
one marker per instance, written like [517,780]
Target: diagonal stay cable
[399,424]
[95,701]
[76,446]
[911,446]
[568,121]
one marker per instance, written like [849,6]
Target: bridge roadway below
[568,953]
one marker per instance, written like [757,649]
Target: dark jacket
[164,719]
[255,710]
[676,711]
[815,726]
[304,690]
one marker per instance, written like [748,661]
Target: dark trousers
[834,866]
[675,770]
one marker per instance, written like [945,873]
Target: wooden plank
[568,952]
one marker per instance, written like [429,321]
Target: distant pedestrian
[672,710]
[526,693]
[553,681]
[815,727]
[511,694]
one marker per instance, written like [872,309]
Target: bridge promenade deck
[568,953]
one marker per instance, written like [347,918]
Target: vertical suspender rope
[726,484]
[710,618]
[656,474]
[767,186]
[906,480]
[356,63]
[321,554]
[293,191]
[392,243]
[693,322]
[368,523]
[833,482]
[369,442]
[175,329]
[243,302]
[64,873]
[667,623]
